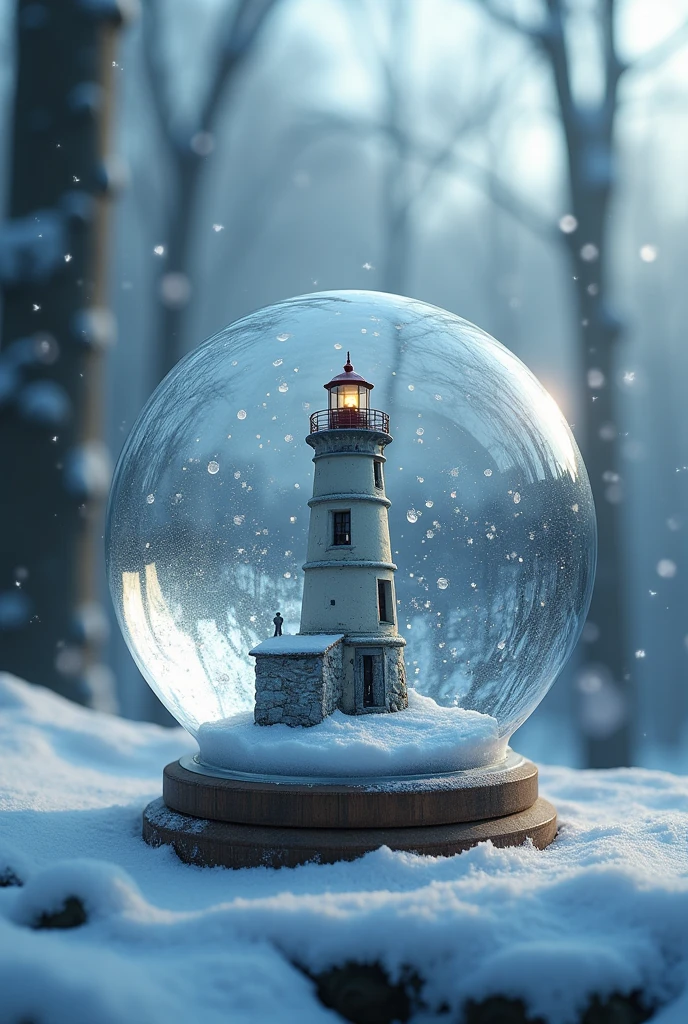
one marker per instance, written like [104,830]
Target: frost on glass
[492,521]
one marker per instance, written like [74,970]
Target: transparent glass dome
[492,520]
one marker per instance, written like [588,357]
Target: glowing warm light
[351,398]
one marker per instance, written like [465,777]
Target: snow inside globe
[350,536]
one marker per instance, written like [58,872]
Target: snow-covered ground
[604,909]
[422,739]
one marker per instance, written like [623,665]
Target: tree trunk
[395,268]
[176,273]
[589,137]
[54,325]
[605,657]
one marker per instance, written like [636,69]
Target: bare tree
[588,133]
[413,159]
[186,149]
[55,323]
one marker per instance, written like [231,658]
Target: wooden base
[442,801]
[222,844]
[238,823]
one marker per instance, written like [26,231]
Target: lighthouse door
[369,679]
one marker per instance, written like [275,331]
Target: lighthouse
[348,654]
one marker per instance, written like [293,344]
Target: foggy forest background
[521,164]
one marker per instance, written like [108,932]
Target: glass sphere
[492,521]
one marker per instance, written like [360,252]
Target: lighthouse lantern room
[348,653]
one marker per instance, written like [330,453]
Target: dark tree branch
[509,200]
[463,127]
[243,28]
[155,75]
[506,197]
[502,17]
[243,31]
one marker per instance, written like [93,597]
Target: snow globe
[351,602]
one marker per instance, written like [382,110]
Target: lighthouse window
[384,601]
[377,470]
[342,527]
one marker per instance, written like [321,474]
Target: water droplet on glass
[241,415]
[501,645]
[337,346]
[488,472]
[238,520]
[412,515]
[150,499]
[277,362]
[283,337]
[420,431]
[517,498]
[429,504]
[213,468]
[442,583]
[283,387]
[412,387]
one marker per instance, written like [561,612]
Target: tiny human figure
[278,620]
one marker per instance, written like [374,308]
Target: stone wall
[298,689]
[396,693]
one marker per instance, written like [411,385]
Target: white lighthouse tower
[348,653]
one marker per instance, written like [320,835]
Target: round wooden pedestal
[235,822]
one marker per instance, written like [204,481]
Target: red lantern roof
[349,377]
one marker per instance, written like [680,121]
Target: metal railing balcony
[347,419]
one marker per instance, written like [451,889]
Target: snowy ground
[422,739]
[605,909]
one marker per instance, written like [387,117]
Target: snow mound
[103,889]
[602,910]
[424,739]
